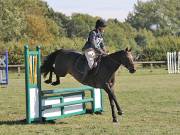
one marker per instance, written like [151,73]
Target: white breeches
[90,56]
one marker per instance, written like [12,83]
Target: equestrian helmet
[101,23]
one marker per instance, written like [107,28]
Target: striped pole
[168,65]
[6,67]
[173,62]
[178,62]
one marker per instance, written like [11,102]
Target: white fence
[173,62]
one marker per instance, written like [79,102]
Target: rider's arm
[103,47]
[92,39]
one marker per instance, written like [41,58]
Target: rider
[94,46]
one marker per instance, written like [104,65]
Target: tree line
[152,29]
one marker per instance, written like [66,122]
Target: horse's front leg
[112,100]
[112,109]
[120,112]
[111,86]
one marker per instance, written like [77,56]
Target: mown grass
[150,100]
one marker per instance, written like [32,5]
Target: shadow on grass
[13,122]
[23,122]
[89,111]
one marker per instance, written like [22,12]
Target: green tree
[160,16]
[11,21]
[61,20]
[144,38]
[80,25]
[119,35]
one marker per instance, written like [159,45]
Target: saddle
[81,62]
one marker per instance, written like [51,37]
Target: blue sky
[104,8]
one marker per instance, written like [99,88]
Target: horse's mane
[120,52]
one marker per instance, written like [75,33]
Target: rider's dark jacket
[95,41]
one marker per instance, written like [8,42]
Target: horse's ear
[126,49]
[130,49]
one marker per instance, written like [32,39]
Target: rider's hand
[104,53]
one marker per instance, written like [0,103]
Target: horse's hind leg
[50,78]
[57,81]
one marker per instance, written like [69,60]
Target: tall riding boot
[86,70]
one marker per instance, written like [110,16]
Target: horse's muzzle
[132,70]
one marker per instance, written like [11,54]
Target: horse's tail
[48,62]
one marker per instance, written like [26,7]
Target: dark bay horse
[62,62]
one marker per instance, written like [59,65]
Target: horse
[63,62]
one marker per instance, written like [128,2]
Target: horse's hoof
[115,120]
[120,112]
[48,81]
[55,83]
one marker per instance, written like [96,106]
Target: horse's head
[127,60]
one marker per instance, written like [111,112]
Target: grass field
[150,100]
